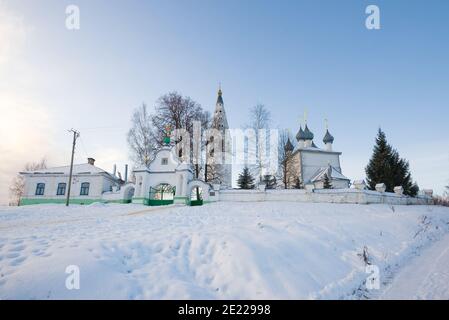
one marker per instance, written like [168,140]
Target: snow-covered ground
[236,250]
[425,277]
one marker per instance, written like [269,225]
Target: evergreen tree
[270,181]
[245,180]
[327,183]
[386,166]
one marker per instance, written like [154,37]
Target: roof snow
[332,172]
[84,168]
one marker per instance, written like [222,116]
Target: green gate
[162,195]
[196,197]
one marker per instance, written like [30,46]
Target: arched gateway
[164,181]
[198,192]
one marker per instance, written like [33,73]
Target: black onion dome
[300,134]
[328,138]
[308,135]
[288,146]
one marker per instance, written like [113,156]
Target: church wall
[313,161]
[156,165]
[353,196]
[336,184]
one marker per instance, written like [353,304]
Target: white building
[89,184]
[312,164]
[167,180]
[219,155]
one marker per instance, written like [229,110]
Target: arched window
[40,188]
[61,189]
[84,189]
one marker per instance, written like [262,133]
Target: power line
[101,128]
[84,147]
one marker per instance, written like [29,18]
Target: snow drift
[260,250]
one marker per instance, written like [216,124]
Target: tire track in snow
[426,277]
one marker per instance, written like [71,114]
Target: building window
[61,189]
[40,188]
[164,161]
[84,189]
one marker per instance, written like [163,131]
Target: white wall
[313,161]
[336,184]
[324,195]
[157,166]
[122,194]
[98,185]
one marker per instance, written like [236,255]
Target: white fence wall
[323,195]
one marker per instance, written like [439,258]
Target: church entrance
[196,196]
[162,194]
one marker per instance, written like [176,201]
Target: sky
[290,56]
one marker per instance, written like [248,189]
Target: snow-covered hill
[223,250]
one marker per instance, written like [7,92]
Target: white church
[169,179]
[312,164]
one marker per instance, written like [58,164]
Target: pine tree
[270,181]
[386,166]
[327,183]
[245,180]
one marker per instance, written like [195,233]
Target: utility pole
[76,134]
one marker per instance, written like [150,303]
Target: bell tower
[219,166]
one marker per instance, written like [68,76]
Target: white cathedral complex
[170,179]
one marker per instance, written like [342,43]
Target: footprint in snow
[18,261]
[37,252]
[12,255]
[17,248]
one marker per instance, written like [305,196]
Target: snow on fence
[324,195]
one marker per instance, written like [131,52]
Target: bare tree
[285,159]
[199,157]
[141,137]
[442,200]
[178,112]
[260,119]
[17,187]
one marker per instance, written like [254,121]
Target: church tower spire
[219,167]
[220,122]
[220,95]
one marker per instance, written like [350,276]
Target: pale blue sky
[288,55]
